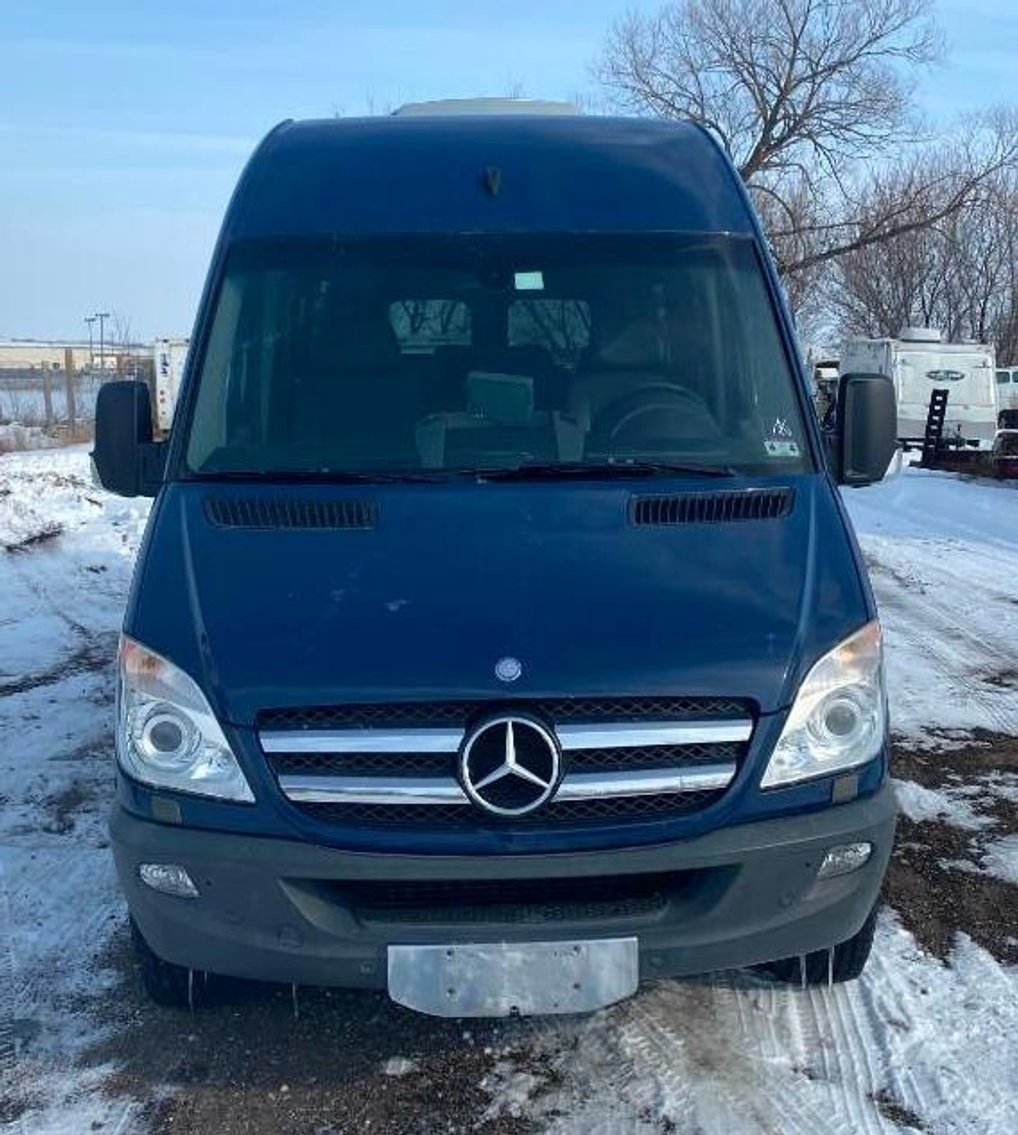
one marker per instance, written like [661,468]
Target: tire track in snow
[846,1112]
[726,1069]
[880,989]
[907,596]
[919,622]
[8,995]
[853,1079]
[8,984]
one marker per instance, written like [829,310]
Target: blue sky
[124,123]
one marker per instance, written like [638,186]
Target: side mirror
[866,431]
[127,461]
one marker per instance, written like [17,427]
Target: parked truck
[168,356]
[919,362]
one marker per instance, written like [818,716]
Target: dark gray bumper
[276,910]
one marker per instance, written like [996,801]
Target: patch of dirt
[936,900]
[896,1112]
[43,536]
[97,653]
[11,1109]
[934,896]
[1005,679]
[956,765]
[62,807]
[244,1064]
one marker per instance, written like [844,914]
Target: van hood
[449,579]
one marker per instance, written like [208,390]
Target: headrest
[637,345]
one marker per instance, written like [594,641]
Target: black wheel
[848,961]
[167,984]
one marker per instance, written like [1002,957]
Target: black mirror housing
[865,436]
[127,461]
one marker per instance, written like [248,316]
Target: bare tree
[784,84]
[959,274]
[813,101]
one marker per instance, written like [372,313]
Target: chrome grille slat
[623,735]
[372,790]
[362,741]
[646,782]
[612,735]
[443,790]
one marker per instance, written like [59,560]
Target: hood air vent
[711,508]
[254,512]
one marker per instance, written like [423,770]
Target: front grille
[623,761]
[444,764]
[511,900]
[556,814]
[434,714]
[365,764]
[653,756]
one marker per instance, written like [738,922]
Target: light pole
[102,316]
[90,319]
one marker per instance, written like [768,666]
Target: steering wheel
[619,415]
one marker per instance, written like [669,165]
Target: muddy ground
[934,881]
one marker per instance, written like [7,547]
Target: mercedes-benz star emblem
[508,669]
[509,765]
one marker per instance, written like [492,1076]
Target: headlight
[167,734]
[839,717]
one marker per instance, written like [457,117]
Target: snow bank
[61,602]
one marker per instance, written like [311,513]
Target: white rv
[919,363]
[168,356]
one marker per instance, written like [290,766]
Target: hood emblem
[509,766]
[508,669]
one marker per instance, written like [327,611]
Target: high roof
[425,173]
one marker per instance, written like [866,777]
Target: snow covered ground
[923,1042]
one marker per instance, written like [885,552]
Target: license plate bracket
[503,979]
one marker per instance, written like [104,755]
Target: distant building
[23,355]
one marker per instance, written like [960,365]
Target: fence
[59,402]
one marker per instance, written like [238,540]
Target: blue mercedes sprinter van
[499,638]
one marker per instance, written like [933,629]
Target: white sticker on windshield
[781,442]
[529,281]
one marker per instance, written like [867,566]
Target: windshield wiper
[536,471]
[335,476]
[596,471]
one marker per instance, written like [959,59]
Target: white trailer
[919,363]
[169,356]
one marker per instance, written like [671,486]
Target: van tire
[165,983]
[849,960]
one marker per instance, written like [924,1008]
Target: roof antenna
[492,180]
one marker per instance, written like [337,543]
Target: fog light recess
[845,858]
[168,879]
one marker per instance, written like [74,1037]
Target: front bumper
[276,910]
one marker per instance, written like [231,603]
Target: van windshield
[465,353]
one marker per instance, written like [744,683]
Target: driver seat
[623,364]
[628,365]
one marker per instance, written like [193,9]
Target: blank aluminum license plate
[503,979]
